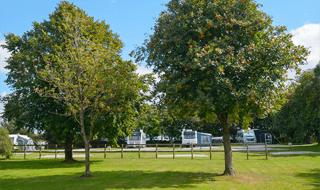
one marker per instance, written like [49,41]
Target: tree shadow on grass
[313,176]
[41,164]
[135,179]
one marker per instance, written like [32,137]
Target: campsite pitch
[278,172]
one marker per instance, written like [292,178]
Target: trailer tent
[263,136]
[204,138]
[22,140]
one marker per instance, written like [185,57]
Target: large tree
[221,57]
[24,106]
[87,73]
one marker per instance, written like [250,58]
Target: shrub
[6,146]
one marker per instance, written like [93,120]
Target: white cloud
[142,70]
[3,54]
[3,94]
[309,36]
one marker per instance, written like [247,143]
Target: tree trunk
[68,147]
[87,149]
[229,169]
[86,141]
[317,134]
[307,139]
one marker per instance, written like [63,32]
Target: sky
[133,19]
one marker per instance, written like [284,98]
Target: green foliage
[220,57]
[86,73]
[12,128]
[173,122]
[149,120]
[6,146]
[298,120]
[24,106]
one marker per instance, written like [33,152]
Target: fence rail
[157,149]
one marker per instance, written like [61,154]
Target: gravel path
[185,155]
[62,156]
[293,153]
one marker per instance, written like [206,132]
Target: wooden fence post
[247,152]
[156,150]
[210,151]
[266,150]
[40,152]
[139,150]
[191,151]
[55,154]
[173,151]
[105,151]
[121,150]
[25,151]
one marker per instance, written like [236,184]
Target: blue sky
[131,19]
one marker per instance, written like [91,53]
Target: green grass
[278,172]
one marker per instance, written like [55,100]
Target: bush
[6,146]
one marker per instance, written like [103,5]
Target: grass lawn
[278,172]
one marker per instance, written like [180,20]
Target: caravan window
[189,135]
[135,136]
[205,139]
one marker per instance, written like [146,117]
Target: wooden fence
[156,150]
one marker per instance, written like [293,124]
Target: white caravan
[189,136]
[246,136]
[22,140]
[136,138]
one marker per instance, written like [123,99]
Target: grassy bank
[278,172]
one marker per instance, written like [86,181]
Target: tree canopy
[69,77]
[87,73]
[24,106]
[221,57]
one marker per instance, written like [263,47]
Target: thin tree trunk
[317,133]
[228,160]
[87,148]
[87,173]
[68,147]
[307,139]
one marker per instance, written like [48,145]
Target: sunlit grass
[149,172]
